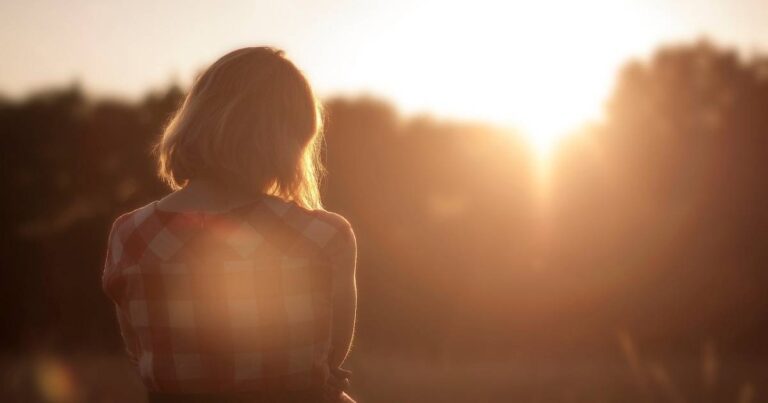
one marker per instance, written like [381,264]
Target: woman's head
[250,123]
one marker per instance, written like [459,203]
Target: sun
[521,65]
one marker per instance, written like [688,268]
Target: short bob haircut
[250,123]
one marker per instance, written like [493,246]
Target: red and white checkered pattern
[225,302]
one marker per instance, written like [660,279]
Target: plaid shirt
[226,302]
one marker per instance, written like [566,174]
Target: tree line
[654,222]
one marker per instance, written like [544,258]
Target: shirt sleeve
[111,270]
[342,252]
[110,260]
[130,338]
[109,281]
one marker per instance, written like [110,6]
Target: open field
[388,379]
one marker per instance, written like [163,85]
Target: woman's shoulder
[321,226]
[127,223]
[335,220]
[129,220]
[123,227]
[292,211]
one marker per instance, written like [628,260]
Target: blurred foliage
[655,223]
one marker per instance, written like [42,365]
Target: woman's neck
[205,195]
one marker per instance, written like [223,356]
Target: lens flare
[55,381]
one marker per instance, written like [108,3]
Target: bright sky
[542,66]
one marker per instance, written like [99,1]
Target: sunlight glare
[543,68]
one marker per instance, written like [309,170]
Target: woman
[238,286]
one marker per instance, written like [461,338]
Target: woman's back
[260,297]
[239,300]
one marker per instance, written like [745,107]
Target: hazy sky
[513,62]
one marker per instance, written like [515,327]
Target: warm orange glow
[511,66]
[541,67]
[535,201]
[55,381]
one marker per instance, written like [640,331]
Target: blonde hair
[250,122]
